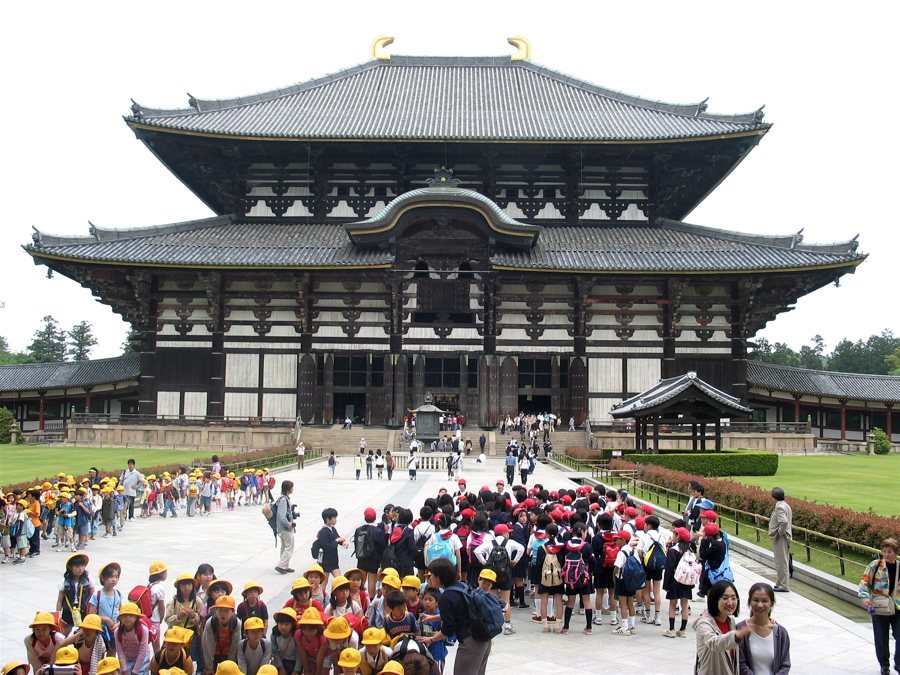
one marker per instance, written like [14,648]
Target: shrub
[882,442]
[6,421]
[867,528]
[714,463]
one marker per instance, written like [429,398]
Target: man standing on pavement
[481,442]
[781,534]
[131,477]
[301,454]
[510,466]
[284,523]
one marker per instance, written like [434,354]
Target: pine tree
[49,343]
[81,339]
[132,342]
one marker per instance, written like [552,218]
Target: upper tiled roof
[667,247]
[40,376]
[852,386]
[671,388]
[448,98]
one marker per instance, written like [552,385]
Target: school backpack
[389,558]
[330,460]
[632,574]
[422,539]
[723,571]
[655,556]
[141,596]
[498,562]
[610,552]
[270,513]
[364,542]
[688,569]
[575,571]
[441,548]
[551,570]
[407,644]
[485,613]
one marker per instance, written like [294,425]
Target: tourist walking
[130,480]
[879,589]
[781,534]
[286,527]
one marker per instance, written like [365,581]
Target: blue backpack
[632,574]
[485,613]
[441,548]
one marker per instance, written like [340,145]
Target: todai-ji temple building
[497,233]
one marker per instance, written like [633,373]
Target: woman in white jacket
[718,641]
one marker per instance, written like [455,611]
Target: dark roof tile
[39,376]
[855,386]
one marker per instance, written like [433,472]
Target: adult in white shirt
[301,454]
[412,462]
[130,480]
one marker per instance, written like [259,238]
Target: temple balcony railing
[180,420]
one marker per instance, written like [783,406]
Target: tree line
[877,355]
[51,344]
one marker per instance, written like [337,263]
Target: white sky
[828,79]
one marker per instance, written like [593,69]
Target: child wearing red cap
[500,554]
[626,596]
[679,545]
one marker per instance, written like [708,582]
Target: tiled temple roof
[65,375]
[851,386]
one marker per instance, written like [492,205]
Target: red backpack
[610,551]
[141,596]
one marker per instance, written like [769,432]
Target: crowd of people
[584,555]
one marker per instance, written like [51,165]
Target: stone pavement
[240,546]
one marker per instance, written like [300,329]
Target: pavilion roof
[63,375]
[669,393]
[851,386]
[448,98]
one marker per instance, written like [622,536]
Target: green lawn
[852,481]
[26,462]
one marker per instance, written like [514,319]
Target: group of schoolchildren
[560,548]
[72,512]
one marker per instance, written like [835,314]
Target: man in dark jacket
[472,655]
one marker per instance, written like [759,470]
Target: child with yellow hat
[312,645]
[252,606]
[43,640]
[374,652]
[109,666]
[88,641]
[173,653]
[133,640]
[75,591]
[349,661]
[15,668]
[284,646]
[221,634]
[340,636]
[254,650]
[158,573]
[66,662]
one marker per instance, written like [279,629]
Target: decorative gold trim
[409,207]
[378,47]
[523,46]
[507,268]
[88,261]
[235,137]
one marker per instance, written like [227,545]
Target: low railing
[181,420]
[627,426]
[205,463]
[741,518]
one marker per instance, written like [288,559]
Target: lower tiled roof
[671,388]
[227,242]
[64,375]
[851,386]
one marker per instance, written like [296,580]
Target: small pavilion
[679,402]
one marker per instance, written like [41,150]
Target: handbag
[884,605]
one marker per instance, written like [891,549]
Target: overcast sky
[828,81]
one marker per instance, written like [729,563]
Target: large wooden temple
[490,230]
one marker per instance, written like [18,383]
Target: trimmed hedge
[868,528]
[714,463]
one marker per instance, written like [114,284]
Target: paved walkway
[240,547]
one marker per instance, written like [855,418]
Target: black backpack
[498,562]
[389,558]
[575,571]
[330,460]
[364,542]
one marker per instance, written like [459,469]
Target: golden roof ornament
[379,45]
[523,45]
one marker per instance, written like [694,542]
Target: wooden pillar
[87,399]
[797,407]
[694,436]
[401,365]
[147,380]
[555,393]
[418,366]
[656,436]
[464,386]
[328,394]
[215,403]
[702,437]
[889,431]
[718,435]
[578,390]
[843,403]
[509,387]
[42,394]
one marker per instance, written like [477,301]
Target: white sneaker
[581,611]
[614,621]
[508,629]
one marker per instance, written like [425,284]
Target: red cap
[461,481]
[683,533]
[500,482]
[554,495]
[639,523]
[566,499]
[467,513]
[711,515]
[711,529]
[370,514]
[631,512]
[500,528]
[594,506]
[620,508]
[623,534]
[556,514]
[646,508]
[484,488]
[529,503]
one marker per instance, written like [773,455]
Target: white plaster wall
[280,405]
[643,374]
[242,370]
[280,371]
[240,404]
[195,404]
[168,403]
[604,375]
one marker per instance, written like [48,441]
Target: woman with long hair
[718,639]
[767,648]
